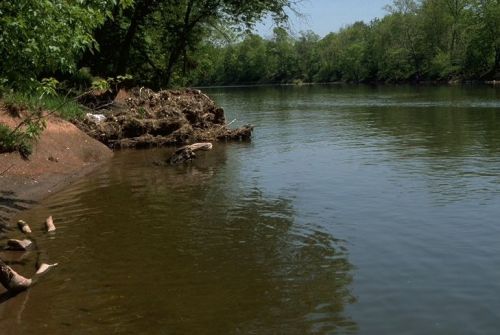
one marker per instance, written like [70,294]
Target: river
[354,210]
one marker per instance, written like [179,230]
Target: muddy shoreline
[137,118]
[62,155]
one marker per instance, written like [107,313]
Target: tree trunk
[142,9]
[172,60]
[496,68]
[180,44]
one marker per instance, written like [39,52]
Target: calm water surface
[354,211]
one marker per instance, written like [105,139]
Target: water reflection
[455,149]
[184,250]
[445,137]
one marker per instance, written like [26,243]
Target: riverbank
[63,154]
[136,118]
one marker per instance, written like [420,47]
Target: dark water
[354,210]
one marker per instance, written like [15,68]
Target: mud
[144,118]
[62,155]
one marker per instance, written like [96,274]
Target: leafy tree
[306,48]
[486,15]
[38,37]
[281,56]
[157,36]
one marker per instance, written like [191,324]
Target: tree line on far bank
[428,40]
[164,43]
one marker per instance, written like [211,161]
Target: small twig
[6,170]
[103,106]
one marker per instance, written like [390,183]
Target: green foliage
[164,43]
[11,142]
[415,41]
[65,107]
[47,36]
[47,88]
[161,42]
[21,138]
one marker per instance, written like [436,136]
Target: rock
[23,227]
[18,245]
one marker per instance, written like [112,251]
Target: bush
[11,141]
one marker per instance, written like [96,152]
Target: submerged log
[11,280]
[187,153]
[49,224]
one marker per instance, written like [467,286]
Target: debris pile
[149,118]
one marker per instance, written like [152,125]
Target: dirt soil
[63,154]
[145,118]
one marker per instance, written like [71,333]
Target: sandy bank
[63,154]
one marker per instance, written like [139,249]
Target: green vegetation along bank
[427,40]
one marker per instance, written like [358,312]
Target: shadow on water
[301,274]
[188,249]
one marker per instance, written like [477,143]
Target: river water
[358,210]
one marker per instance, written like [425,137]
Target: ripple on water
[367,210]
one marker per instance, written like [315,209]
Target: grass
[30,108]
[64,107]
[14,141]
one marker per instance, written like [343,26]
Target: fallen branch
[6,170]
[11,280]
[14,282]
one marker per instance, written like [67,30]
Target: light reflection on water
[354,210]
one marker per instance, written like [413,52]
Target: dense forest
[428,40]
[163,43]
[153,41]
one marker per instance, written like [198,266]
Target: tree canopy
[150,39]
[417,40]
[161,43]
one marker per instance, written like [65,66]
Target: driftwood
[49,224]
[187,153]
[45,267]
[10,279]
[14,282]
